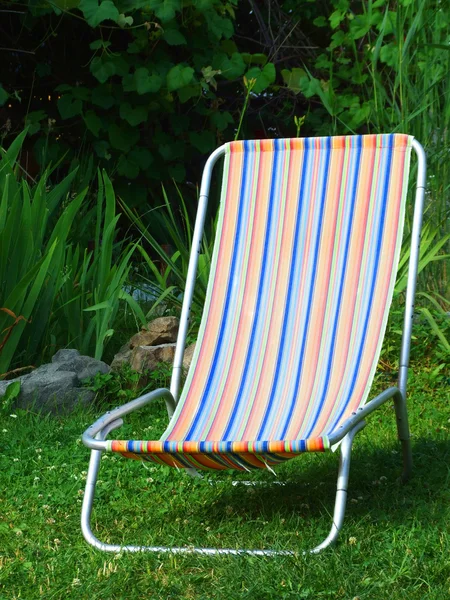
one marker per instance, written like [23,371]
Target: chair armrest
[363,412]
[94,435]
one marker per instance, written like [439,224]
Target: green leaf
[435,327]
[359,26]
[174,37]
[165,9]
[3,95]
[146,83]
[95,14]
[188,92]
[69,106]
[102,97]
[134,306]
[12,391]
[134,116]
[99,44]
[33,119]
[228,46]
[14,148]
[133,48]
[141,156]
[389,54]
[64,5]
[102,69]
[123,21]
[99,306]
[232,67]
[202,5]
[336,17]
[101,148]
[123,138]
[264,77]
[218,26]
[93,122]
[221,120]
[320,22]
[127,168]
[203,141]
[130,164]
[294,79]
[81,92]
[179,77]
[121,64]
[255,59]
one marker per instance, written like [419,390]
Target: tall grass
[87,306]
[53,292]
[165,265]
[32,249]
[386,70]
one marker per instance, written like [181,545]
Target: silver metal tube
[89,437]
[91,480]
[413,266]
[192,271]
[342,486]
[362,413]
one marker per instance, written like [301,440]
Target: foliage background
[145,89]
[149,87]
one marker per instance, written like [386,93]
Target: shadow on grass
[309,487]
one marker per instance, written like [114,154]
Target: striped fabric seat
[304,264]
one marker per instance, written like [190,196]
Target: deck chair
[303,270]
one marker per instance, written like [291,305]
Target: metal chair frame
[94,437]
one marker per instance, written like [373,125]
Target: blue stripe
[376,249]
[338,300]
[252,351]
[227,314]
[287,421]
[272,405]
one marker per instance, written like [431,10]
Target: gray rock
[145,358]
[56,387]
[83,366]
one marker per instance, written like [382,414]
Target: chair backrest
[308,242]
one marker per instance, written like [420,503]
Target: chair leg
[401,415]
[89,536]
[88,498]
[341,493]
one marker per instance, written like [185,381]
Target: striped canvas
[304,264]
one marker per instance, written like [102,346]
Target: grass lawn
[395,541]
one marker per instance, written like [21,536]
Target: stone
[188,354]
[57,387]
[84,366]
[121,358]
[146,358]
[163,330]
